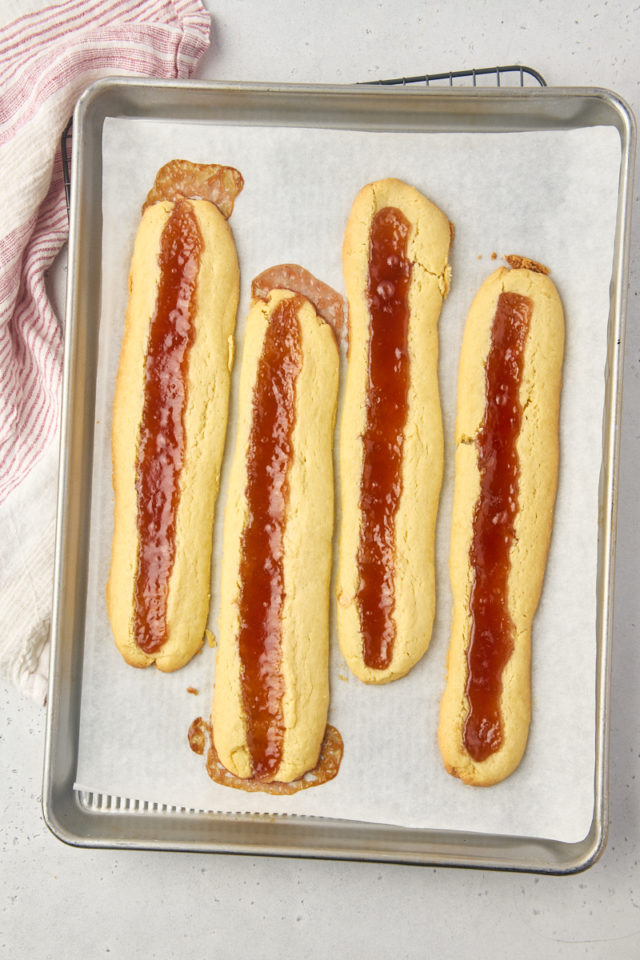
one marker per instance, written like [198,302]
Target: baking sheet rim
[593,844]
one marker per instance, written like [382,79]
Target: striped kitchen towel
[48,56]
[46,60]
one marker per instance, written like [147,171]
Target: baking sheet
[550,195]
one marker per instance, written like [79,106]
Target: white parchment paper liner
[551,196]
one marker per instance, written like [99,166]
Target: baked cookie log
[159,612]
[506,493]
[271,691]
[386,594]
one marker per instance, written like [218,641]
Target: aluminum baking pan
[98,820]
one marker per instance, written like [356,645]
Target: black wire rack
[510,75]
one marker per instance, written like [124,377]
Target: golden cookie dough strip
[270,701]
[402,587]
[167,626]
[486,707]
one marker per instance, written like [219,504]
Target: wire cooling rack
[510,75]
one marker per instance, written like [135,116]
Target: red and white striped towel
[47,58]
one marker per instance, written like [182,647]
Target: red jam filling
[492,630]
[387,404]
[162,438]
[262,588]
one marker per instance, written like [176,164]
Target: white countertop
[57,901]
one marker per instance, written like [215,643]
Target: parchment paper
[551,196]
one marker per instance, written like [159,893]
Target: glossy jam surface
[161,445]
[387,402]
[261,594]
[491,641]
